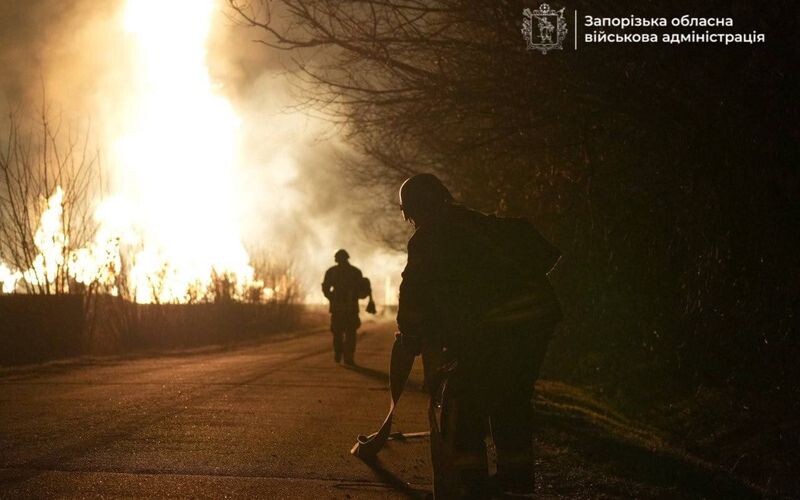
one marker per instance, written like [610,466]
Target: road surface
[276,419]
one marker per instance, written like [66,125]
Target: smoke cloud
[294,198]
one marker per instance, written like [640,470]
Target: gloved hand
[411,344]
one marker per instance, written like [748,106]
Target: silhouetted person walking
[343,286]
[475,288]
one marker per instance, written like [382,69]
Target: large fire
[173,217]
[178,156]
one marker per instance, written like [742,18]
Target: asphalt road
[277,419]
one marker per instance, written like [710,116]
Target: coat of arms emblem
[544,28]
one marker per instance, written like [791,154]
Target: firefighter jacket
[341,287]
[467,271]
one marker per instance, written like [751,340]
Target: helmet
[421,194]
[341,256]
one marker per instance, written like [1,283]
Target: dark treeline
[666,173]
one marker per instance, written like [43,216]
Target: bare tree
[636,165]
[441,86]
[48,186]
[276,282]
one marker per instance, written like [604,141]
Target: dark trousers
[344,328]
[492,391]
[344,344]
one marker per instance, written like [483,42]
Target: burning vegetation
[164,227]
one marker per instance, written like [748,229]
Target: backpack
[518,241]
[364,289]
[522,255]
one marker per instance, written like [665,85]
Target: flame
[174,215]
[8,278]
[176,159]
[99,262]
[51,242]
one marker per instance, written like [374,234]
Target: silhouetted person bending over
[343,286]
[475,289]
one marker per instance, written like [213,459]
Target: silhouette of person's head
[422,197]
[341,256]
